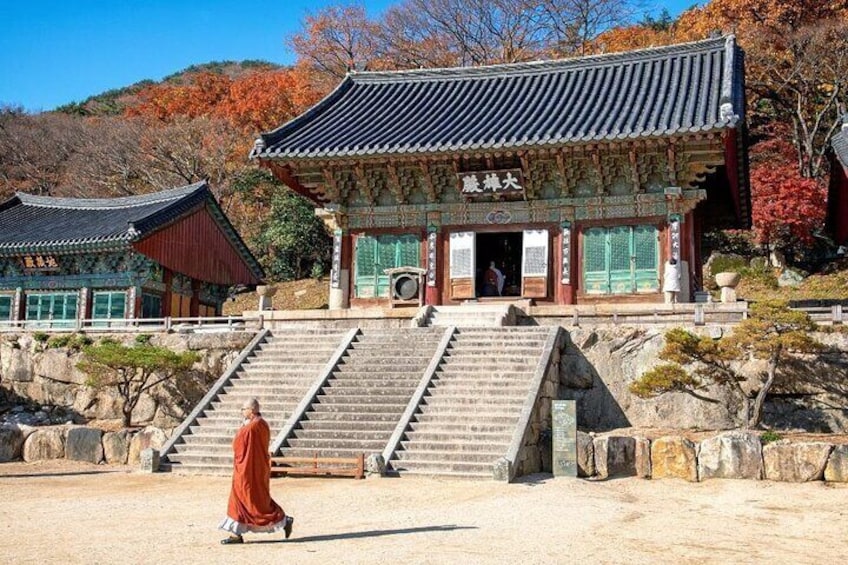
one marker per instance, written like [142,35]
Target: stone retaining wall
[729,455]
[79,443]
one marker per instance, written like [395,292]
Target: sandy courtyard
[60,512]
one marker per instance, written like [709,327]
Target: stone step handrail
[505,468]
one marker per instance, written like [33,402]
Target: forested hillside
[200,123]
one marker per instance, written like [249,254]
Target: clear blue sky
[56,52]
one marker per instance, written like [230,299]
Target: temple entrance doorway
[504,249]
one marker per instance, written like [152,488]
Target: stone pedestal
[149,460]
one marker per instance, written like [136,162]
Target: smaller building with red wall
[171,253]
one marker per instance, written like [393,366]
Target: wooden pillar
[194,305]
[566,263]
[168,279]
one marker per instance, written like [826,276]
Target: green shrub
[40,337]
[58,341]
[728,263]
[143,339]
[769,436]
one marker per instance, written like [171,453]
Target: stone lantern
[727,281]
[265,293]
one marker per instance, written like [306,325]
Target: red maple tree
[786,207]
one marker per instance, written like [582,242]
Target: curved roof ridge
[481,106]
[553,65]
[110,203]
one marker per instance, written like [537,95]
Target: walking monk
[251,508]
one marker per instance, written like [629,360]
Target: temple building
[66,260]
[576,178]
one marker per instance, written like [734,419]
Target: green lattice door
[108,305]
[6,307]
[620,260]
[57,310]
[375,254]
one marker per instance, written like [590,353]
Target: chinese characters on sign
[566,253]
[674,234]
[335,269]
[431,258]
[491,183]
[40,263]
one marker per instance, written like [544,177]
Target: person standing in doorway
[492,280]
[251,508]
[671,280]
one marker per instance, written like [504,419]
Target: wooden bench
[327,466]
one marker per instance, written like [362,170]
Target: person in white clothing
[671,280]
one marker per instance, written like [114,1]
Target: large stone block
[731,455]
[642,457]
[11,443]
[615,456]
[795,462]
[149,437]
[46,443]
[116,447]
[837,465]
[83,444]
[585,455]
[149,460]
[674,457]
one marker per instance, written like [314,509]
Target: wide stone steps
[467,418]
[365,445]
[433,415]
[278,373]
[375,377]
[360,434]
[452,469]
[335,426]
[334,452]
[460,427]
[342,415]
[441,437]
[448,451]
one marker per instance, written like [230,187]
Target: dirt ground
[64,512]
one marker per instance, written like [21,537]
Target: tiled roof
[28,221]
[693,87]
[839,142]
[31,223]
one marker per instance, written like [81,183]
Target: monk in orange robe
[251,508]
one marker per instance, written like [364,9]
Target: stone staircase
[474,402]
[363,400]
[470,315]
[278,373]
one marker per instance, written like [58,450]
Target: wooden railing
[199,324]
[319,466]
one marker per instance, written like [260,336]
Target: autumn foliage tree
[787,208]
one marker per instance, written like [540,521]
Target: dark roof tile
[693,87]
